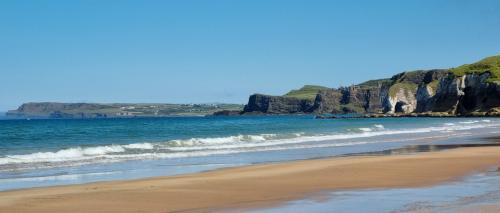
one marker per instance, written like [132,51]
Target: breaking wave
[195,147]
[374,128]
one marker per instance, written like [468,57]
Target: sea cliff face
[258,103]
[469,94]
[351,99]
[432,92]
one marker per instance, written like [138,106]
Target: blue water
[53,152]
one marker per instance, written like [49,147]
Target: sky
[186,51]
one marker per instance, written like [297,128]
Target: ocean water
[36,153]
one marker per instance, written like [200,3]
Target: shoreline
[411,115]
[255,186]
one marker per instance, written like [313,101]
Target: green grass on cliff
[490,64]
[306,92]
[375,83]
[409,88]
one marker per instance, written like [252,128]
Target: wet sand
[255,186]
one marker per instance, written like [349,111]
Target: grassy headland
[489,64]
[306,92]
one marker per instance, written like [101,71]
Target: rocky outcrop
[447,96]
[353,99]
[227,113]
[410,90]
[464,95]
[427,93]
[364,99]
[479,95]
[259,103]
[402,100]
[327,101]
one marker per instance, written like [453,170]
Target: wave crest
[217,145]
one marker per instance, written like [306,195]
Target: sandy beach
[254,186]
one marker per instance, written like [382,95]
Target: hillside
[490,65]
[94,110]
[306,92]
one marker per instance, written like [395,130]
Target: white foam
[139,146]
[316,138]
[221,140]
[209,152]
[217,145]
[101,150]
[77,153]
[374,128]
[298,134]
[468,122]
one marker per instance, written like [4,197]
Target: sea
[48,152]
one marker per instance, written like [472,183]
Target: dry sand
[253,186]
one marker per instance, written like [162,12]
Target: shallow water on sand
[469,195]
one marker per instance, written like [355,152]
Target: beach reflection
[477,193]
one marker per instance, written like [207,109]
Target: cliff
[258,103]
[470,94]
[471,89]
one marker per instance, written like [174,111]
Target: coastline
[254,186]
[411,115]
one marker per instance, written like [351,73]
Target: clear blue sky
[222,51]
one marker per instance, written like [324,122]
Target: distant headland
[116,110]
